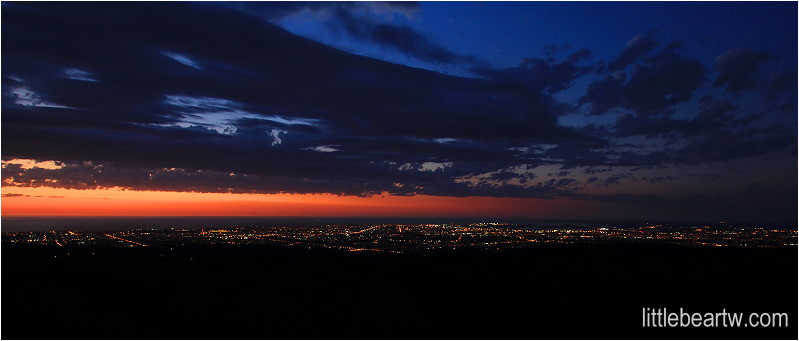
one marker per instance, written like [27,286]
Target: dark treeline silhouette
[265,292]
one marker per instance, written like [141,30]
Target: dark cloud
[715,115]
[665,81]
[285,110]
[594,170]
[616,178]
[401,38]
[216,100]
[653,88]
[636,48]
[673,45]
[579,55]
[772,204]
[605,94]
[725,145]
[738,69]
[537,75]
[90,175]
[717,132]
[654,84]
[360,20]
[781,83]
[276,10]
[565,182]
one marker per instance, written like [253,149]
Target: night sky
[626,110]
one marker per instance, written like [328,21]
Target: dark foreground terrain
[262,292]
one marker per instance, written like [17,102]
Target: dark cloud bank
[211,98]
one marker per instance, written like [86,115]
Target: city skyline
[413,238]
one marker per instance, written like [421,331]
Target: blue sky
[683,110]
[504,33]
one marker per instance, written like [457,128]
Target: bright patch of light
[30,163]
[275,134]
[221,115]
[222,121]
[199,102]
[434,166]
[426,166]
[28,98]
[324,149]
[183,60]
[445,140]
[79,75]
[291,120]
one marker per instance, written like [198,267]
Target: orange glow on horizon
[44,201]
